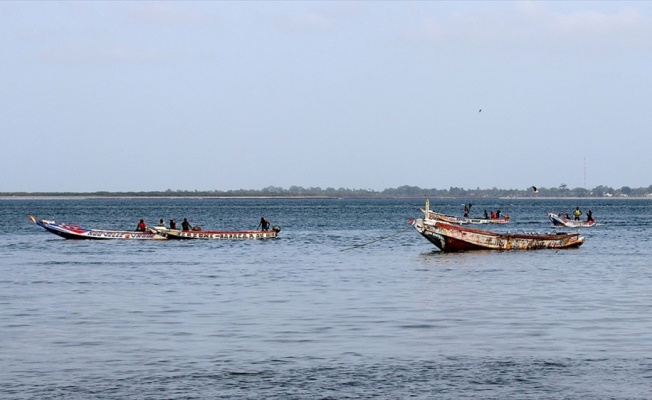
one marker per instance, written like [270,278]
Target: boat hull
[452,238]
[462,220]
[559,221]
[224,235]
[71,231]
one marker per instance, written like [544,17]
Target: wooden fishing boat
[464,220]
[451,237]
[200,234]
[558,220]
[72,231]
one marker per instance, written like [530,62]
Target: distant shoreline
[401,192]
[472,199]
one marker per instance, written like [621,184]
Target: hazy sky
[131,96]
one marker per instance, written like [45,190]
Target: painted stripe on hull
[207,235]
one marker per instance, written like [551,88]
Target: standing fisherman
[577,213]
[264,224]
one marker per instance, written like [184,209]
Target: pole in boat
[427,213]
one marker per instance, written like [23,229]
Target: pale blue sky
[131,96]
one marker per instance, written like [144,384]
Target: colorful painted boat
[71,231]
[463,220]
[451,237]
[558,220]
[199,234]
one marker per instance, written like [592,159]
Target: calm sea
[349,303]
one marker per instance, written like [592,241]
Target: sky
[213,95]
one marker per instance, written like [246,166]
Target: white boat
[466,220]
[558,220]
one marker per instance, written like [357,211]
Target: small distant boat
[558,220]
[199,234]
[464,220]
[72,231]
[451,237]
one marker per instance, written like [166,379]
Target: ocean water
[349,303]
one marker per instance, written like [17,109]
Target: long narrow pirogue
[449,237]
[179,234]
[464,220]
[72,231]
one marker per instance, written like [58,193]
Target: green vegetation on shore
[402,191]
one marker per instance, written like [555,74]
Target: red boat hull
[451,238]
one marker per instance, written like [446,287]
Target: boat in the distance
[73,231]
[559,220]
[466,220]
[201,234]
[451,237]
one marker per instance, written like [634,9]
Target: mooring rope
[378,240]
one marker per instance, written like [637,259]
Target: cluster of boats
[72,231]
[446,232]
[449,234]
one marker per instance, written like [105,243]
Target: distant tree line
[401,191]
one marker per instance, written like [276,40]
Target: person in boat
[486,216]
[493,214]
[142,226]
[467,210]
[497,214]
[161,223]
[589,216]
[577,213]
[185,225]
[173,224]
[263,224]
